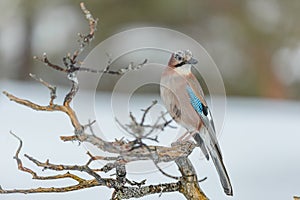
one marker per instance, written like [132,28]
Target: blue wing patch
[195,101]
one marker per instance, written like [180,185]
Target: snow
[259,141]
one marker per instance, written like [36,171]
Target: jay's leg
[186,136]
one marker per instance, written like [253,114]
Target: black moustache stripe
[180,64]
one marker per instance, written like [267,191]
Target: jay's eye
[178,57]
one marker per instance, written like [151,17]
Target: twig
[107,70]
[92,24]
[45,60]
[81,168]
[54,107]
[142,131]
[83,185]
[146,112]
[74,89]
[130,67]
[70,61]
[49,86]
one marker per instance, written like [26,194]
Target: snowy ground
[260,144]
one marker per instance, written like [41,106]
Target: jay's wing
[197,90]
[199,104]
[209,137]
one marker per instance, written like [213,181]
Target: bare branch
[70,61]
[138,192]
[60,167]
[107,70]
[189,182]
[54,107]
[74,89]
[45,60]
[130,67]
[92,24]
[83,185]
[126,151]
[49,86]
[146,112]
[121,191]
[164,154]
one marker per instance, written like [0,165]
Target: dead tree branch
[185,185]
[126,151]
[54,107]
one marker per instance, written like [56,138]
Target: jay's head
[180,58]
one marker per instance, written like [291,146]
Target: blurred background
[254,43]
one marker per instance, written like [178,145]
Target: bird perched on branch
[184,100]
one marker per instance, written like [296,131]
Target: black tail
[215,153]
[223,175]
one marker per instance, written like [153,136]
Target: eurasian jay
[184,100]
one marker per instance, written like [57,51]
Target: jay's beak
[192,61]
